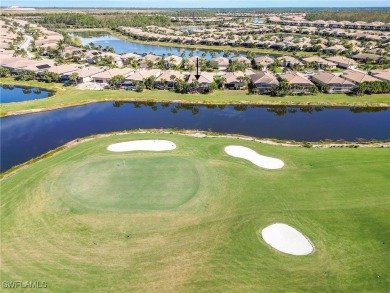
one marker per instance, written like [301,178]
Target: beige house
[380,74]
[106,76]
[357,76]
[241,59]
[86,73]
[299,83]
[343,62]
[263,61]
[233,80]
[139,76]
[205,79]
[221,62]
[320,61]
[165,79]
[335,83]
[263,82]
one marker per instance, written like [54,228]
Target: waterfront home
[381,74]
[172,60]
[151,57]
[64,70]
[241,59]
[263,61]
[131,56]
[288,61]
[221,63]
[320,61]
[233,80]
[15,64]
[343,62]
[357,76]
[299,83]
[106,76]
[168,79]
[139,76]
[205,79]
[368,57]
[334,83]
[85,73]
[263,82]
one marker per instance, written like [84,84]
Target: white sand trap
[250,155]
[142,145]
[287,239]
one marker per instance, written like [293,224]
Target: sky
[196,3]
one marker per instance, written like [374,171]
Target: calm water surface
[27,136]
[11,93]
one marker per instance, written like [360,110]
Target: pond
[13,93]
[24,137]
[123,46]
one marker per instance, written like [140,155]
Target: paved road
[26,43]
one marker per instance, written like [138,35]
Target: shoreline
[197,134]
[196,46]
[62,98]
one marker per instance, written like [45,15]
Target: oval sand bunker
[252,156]
[142,145]
[286,239]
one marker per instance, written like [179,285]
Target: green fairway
[189,219]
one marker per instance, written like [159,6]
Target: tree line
[351,15]
[79,20]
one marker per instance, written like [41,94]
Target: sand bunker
[287,239]
[252,156]
[142,145]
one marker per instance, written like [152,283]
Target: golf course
[110,213]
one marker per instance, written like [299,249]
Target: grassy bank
[90,220]
[70,96]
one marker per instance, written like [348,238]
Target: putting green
[129,183]
[190,219]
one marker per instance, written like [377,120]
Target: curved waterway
[27,136]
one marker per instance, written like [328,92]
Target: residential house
[241,59]
[85,73]
[139,76]
[324,64]
[263,61]
[205,79]
[291,62]
[263,82]
[233,80]
[168,79]
[106,76]
[221,63]
[172,60]
[357,76]
[299,83]
[381,74]
[343,62]
[335,83]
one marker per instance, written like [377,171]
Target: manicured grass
[130,238]
[70,96]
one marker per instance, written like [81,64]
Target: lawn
[188,220]
[70,96]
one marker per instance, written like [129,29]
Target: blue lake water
[11,93]
[24,137]
[122,46]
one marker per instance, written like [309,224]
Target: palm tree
[60,46]
[74,77]
[222,82]
[173,78]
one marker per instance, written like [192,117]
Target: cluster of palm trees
[372,87]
